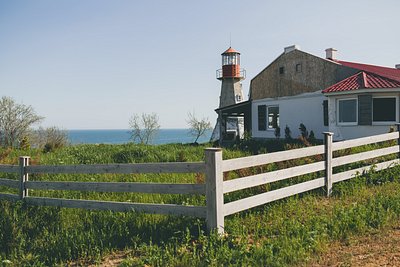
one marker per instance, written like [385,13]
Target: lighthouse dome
[230,50]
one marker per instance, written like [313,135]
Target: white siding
[305,108]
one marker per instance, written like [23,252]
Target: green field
[286,232]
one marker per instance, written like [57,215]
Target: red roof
[391,73]
[363,80]
[230,50]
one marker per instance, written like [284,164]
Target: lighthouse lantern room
[230,65]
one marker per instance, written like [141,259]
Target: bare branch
[197,128]
[15,121]
[144,127]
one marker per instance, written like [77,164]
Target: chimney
[397,66]
[291,48]
[331,53]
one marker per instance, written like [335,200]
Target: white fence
[214,188]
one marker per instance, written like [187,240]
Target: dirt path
[381,248]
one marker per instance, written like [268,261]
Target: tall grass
[282,233]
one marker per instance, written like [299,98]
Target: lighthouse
[230,75]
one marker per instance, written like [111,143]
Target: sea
[164,136]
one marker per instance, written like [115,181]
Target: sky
[92,64]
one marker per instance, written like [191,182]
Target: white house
[325,94]
[364,104]
[288,111]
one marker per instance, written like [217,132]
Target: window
[347,109]
[273,117]
[262,116]
[230,59]
[281,70]
[238,98]
[384,109]
[298,67]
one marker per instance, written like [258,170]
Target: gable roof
[391,73]
[363,80]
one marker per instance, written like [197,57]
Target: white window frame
[267,118]
[397,110]
[338,112]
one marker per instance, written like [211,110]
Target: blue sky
[92,64]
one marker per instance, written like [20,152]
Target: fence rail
[127,187]
[9,168]
[214,188]
[169,209]
[170,167]
[9,183]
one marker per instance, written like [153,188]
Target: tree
[49,138]
[15,121]
[197,128]
[144,127]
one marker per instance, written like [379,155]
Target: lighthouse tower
[229,128]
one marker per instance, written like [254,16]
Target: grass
[282,233]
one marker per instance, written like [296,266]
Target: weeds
[282,233]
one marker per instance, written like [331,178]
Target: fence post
[23,176]
[214,190]
[328,162]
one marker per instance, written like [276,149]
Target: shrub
[311,137]
[288,134]
[303,131]
[50,138]
[277,132]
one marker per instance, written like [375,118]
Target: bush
[50,138]
[303,131]
[277,132]
[288,134]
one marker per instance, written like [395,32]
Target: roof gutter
[362,91]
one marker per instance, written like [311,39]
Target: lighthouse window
[231,59]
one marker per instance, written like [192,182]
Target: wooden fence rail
[214,188]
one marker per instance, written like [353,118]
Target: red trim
[391,73]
